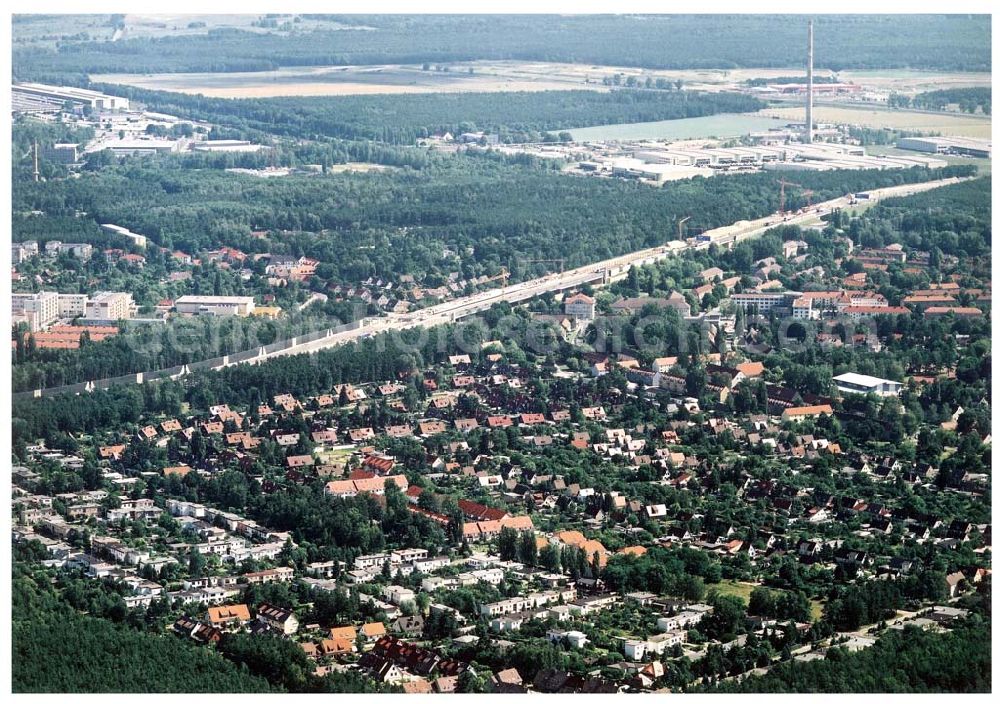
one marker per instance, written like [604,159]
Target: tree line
[907,661]
[968,99]
[402,119]
[657,42]
[57,649]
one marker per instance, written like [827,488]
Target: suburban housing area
[374,354]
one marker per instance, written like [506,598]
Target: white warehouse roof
[862,379]
[215,300]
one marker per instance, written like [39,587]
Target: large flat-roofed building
[214,305]
[72,305]
[38,310]
[963,146]
[61,153]
[109,305]
[226,145]
[764,302]
[627,167]
[80,250]
[138,146]
[801,88]
[851,383]
[137,239]
[21,251]
[38,97]
[661,162]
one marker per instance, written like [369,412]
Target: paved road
[597,273]
[600,272]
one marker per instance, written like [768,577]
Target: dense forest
[72,635]
[401,119]
[57,649]
[358,224]
[967,99]
[905,661]
[959,42]
[365,225]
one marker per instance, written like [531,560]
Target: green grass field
[816,609]
[742,590]
[731,587]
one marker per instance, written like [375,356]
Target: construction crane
[503,276]
[680,227]
[783,182]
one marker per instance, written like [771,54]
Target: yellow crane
[503,275]
[807,193]
[680,227]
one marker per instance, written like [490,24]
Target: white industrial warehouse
[797,157]
[961,146]
[853,383]
[38,97]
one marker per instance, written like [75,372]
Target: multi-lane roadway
[596,273]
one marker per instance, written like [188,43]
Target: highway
[597,273]
[450,311]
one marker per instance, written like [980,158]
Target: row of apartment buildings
[40,310]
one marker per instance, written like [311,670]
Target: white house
[575,639]
[852,383]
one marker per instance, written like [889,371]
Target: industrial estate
[446,384]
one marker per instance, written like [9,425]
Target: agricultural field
[876,117]
[344,80]
[493,76]
[138,25]
[903,81]
[484,76]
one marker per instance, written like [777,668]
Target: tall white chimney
[809,89]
